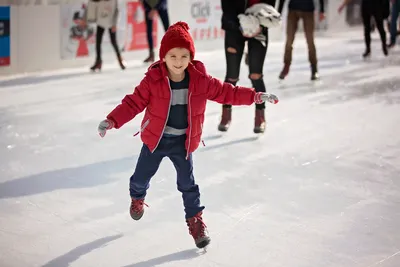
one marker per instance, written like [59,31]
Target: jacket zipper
[169,108]
[190,125]
[143,127]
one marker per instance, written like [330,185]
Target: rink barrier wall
[37,38]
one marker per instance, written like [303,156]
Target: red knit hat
[177,35]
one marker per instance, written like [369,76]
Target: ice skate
[198,230]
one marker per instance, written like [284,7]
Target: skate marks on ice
[229,143]
[384,260]
[176,256]
[73,255]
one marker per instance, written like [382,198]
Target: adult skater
[152,7]
[379,9]
[174,93]
[301,10]
[245,21]
[105,14]
[393,22]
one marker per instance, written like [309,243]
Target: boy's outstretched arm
[226,93]
[131,105]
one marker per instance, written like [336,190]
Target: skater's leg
[379,25]
[185,178]
[190,191]
[114,43]
[366,17]
[113,38]
[163,13]
[291,29]
[149,34]
[99,39]
[234,47]
[257,53]
[309,25]
[146,166]
[393,23]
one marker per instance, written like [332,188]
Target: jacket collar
[158,70]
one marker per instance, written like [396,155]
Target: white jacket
[104,13]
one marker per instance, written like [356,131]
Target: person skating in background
[252,28]
[301,10]
[174,93]
[152,7]
[379,9]
[393,22]
[105,14]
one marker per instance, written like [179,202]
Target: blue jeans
[393,21]
[148,163]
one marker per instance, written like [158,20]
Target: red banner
[136,27]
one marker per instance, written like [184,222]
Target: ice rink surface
[320,188]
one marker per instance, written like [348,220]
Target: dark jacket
[232,8]
[381,8]
[302,5]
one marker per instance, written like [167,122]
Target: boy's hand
[264,97]
[104,126]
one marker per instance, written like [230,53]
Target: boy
[174,92]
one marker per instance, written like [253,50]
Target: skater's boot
[385,49]
[391,45]
[259,121]
[284,72]
[367,53]
[150,58]
[198,230]
[225,118]
[121,62]
[314,72]
[136,209]
[97,65]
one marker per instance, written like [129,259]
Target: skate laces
[196,226]
[137,205]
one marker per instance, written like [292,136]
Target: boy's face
[177,60]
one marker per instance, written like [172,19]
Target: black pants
[148,163]
[256,54]
[163,13]
[99,39]
[371,9]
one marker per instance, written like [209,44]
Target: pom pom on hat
[177,35]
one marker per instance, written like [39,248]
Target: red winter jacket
[154,93]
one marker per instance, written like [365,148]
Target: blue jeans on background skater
[148,163]
[393,21]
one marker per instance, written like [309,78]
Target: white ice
[320,188]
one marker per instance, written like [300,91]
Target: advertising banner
[136,27]
[5,36]
[78,39]
[205,19]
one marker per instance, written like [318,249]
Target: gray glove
[265,97]
[104,126]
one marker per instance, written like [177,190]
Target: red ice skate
[198,230]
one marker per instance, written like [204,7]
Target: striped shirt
[177,122]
